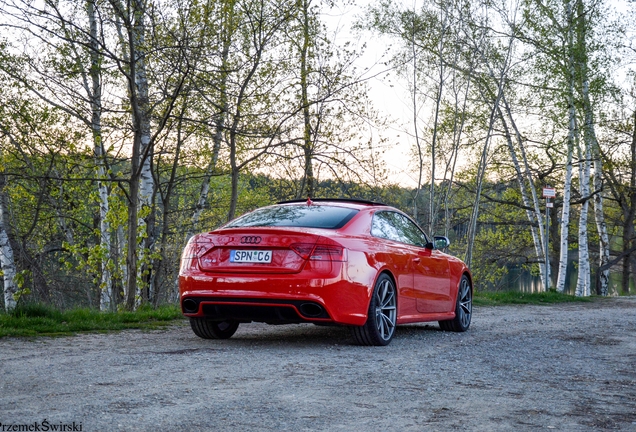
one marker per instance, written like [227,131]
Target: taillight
[303,249]
[328,253]
[320,252]
[195,248]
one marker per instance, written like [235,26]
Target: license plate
[251,256]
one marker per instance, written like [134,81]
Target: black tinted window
[395,226]
[314,216]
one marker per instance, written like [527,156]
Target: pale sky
[391,99]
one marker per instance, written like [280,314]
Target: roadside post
[548,192]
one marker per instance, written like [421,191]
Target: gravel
[568,367]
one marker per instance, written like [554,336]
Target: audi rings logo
[250,239]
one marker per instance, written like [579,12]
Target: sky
[389,96]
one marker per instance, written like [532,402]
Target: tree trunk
[227,30]
[472,230]
[308,189]
[565,212]
[483,161]
[416,130]
[536,238]
[438,101]
[7,260]
[629,232]
[166,200]
[599,215]
[136,83]
[234,180]
[146,180]
[106,289]
[457,137]
[141,182]
[567,186]
[583,278]
[592,146]
[211,168]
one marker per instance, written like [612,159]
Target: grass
[42,320]
[498,298]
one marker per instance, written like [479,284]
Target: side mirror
[441,242]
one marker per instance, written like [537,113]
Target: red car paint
[319,275]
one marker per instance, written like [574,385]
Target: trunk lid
[255,250]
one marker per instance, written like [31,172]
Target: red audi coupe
[343,262]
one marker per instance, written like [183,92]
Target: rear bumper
[275,299]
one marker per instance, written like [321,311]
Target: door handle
[416,260]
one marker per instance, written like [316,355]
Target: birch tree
[131,25]
[219,22]
[94,93]
[7,260]
[527,189]
[429,55]
[75,47]
[585,17]
[583,279]
[497,80]
[551,33]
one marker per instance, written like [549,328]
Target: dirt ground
[564,367]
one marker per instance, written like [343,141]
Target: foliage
[215,108]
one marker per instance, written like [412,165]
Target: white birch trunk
[567,184]
[601,225]
[205,188]
[599,215]
[457,137]
[537,209]
[565,213]
[219,125]
[583,278]
[537,216]
[95,93]
[418,144]
[146,180]
[538,245]
[7,260]
[106,284]
[438,102]
[121,253]
[472,230]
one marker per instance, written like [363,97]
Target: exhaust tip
[190,306]
[312,310]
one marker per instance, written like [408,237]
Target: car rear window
[313,216]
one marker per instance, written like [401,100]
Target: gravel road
[563,367]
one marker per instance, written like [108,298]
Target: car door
[398,257]
[429,267]
[431,274]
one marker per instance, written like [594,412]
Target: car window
[314,216]
[395,226]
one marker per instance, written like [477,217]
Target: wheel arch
[375,281]
[469,276]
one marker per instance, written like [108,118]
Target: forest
[127,127]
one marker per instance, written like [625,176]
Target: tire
[207,329]
[381,317]
[463,308]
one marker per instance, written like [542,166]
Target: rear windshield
[314,216]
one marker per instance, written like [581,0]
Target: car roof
[357,203]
